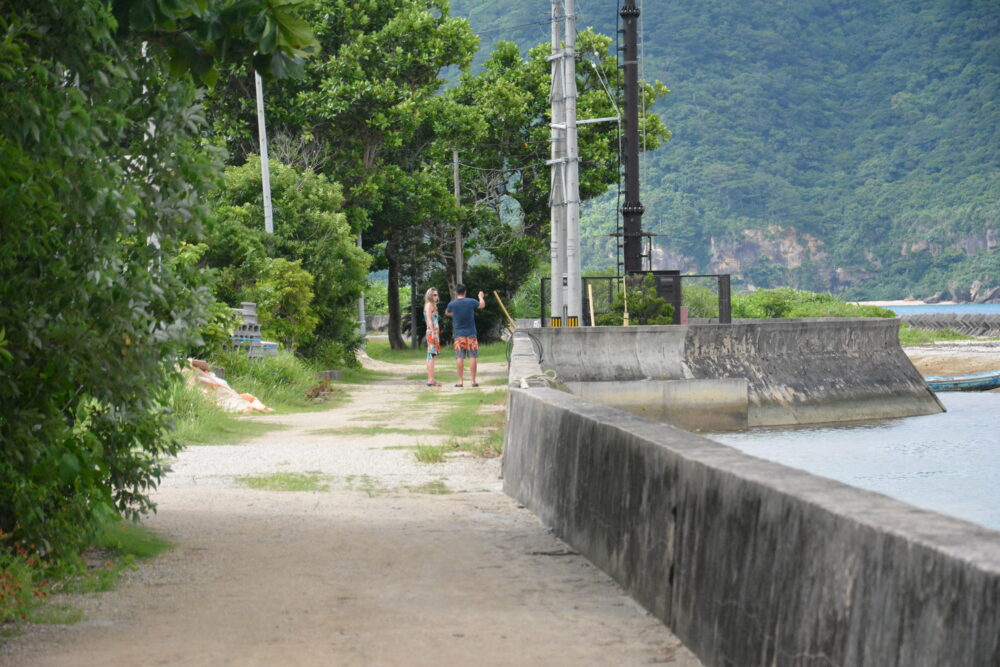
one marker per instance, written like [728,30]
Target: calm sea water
[960,308]
[949,462]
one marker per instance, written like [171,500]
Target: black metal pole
[632,209]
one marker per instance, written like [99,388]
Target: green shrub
[332,354]
[701,301]
[644,306]
[788,302]
[377,297]
[19,584]
[910,336]
[526,302]
[311,229]
[284,296]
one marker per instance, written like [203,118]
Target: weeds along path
[374,558]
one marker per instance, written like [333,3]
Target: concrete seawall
[797,371]
[750,562]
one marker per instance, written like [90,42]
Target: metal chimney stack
[632,209]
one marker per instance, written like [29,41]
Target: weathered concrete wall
[798,371]
[747,561]
[694,405]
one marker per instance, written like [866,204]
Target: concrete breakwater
[747,561]
[792,371]
[986,325]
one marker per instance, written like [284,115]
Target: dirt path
[373,571]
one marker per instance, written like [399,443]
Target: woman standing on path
[433,333]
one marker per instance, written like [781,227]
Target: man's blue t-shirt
[463,313]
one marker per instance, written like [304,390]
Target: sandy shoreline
[904,302]
[955,357]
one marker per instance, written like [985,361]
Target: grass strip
[434,488]
[312,480]
[464,415]
[430,453]
[198,421]
[367,484]
[55,613]
[488,444]
[361,376]
[911,336]
[115,549]
[378,348]
[376,429]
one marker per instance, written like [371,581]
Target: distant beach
[904,302]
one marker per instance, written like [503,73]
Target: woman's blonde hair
[428,293]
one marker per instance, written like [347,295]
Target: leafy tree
[284,300]
[101,172]
[363,116]
[361,100]
[508,141]
[309,228]
[871,126]
[193,33]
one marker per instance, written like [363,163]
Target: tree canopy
[869,126]
[102,172]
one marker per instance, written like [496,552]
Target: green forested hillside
[849,145]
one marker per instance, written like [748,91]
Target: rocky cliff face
[786,247]
[988,239]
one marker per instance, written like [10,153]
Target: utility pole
[632,209]
[265,171]
[574,296]
[362,323]
[557,196]
[459,242]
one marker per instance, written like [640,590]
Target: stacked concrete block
[246,337]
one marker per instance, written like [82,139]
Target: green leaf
[210,77]
[295,33]
[269,38]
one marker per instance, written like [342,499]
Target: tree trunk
[413,309]
[395,333]
[449,272]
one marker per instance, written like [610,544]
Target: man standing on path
[463,312]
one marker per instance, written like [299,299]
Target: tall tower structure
[557,190]
[632,209]
[574,292]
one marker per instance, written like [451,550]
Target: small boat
[969,382]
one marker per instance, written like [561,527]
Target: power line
[512,27]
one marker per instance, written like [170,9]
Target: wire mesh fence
[704,297]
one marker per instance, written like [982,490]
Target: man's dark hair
[459,290]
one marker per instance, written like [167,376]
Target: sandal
[433,384]
[459,385]
[475,384]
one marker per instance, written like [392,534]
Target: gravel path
[372,571]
